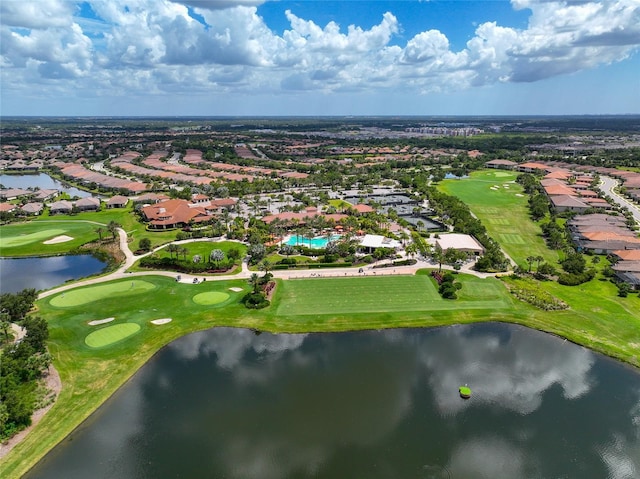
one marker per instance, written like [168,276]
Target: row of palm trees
[112,227]
[178,250]
[534,259]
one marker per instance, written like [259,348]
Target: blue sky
[359,57]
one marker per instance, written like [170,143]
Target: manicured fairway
[502,212]
[111,334]
[27,239]
[380,294]
[9,241]
[210,298]
[90,294]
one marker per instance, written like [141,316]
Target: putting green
[210,297]
[81,296]
[111,334]
[20,240]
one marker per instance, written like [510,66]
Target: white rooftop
[378,241]
[459,241]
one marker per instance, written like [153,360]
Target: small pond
[17,274]
[42,181]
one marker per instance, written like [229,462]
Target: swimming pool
[318,242]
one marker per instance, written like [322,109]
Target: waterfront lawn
[599,318]
[125,217]
[27,239]
[385,294]
[502,212]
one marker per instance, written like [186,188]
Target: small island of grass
[465,392]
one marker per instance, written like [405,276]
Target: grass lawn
[386,294]
[493,197]
[204,249]
[124,217]
[111,334]
[91,375]
[210,298]
[339,204]
[27,239]
[90,294]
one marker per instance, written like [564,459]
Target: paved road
[607,185]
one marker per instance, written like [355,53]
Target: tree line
[23,362]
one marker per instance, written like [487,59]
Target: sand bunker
[58,239]
[235,290]
[96,322]
[161,321]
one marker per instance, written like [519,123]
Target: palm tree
[530,260]
[113,228]
[173,248]
[411,249]
[438,255]
[184,252]
[538,259]
[100,232]
[254,281]
[265,266]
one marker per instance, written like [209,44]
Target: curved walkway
[245,272]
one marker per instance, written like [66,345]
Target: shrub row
[184,266]
[448,286]
[530,293]
[569,279]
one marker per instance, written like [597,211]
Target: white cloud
[39,14]
[218,4]
[230,49]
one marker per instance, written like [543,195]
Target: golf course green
[111,334]
[210,298]
[89,294]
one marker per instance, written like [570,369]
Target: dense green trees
[23,363]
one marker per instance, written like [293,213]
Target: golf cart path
[245,272]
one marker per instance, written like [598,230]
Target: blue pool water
[318,242]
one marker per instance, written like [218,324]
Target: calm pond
[230,403]
[17,274]
[42,181]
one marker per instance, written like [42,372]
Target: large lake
[233,404]
[17,274]
[42,181]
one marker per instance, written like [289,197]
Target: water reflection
[17,274]
[513,377]
[235,404]
[42,181]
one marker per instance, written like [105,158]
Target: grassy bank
[91,375]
